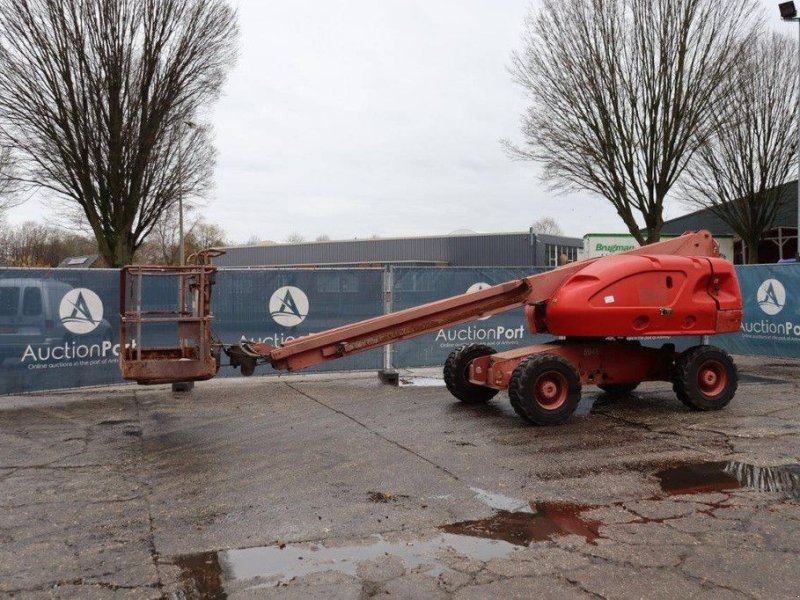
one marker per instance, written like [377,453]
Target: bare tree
[623,91]
[323,237]
[8,183]
[162,247]
[36,245]
[738,171]
[95,96]
[206,235]
[295,238]
[548,226]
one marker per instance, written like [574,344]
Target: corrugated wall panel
[508,249]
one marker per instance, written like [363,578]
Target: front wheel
[705,378]
[456,374]
[545,389]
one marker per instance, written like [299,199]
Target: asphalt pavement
[335,486]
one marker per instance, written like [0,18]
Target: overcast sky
[379,117]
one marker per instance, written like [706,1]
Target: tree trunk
[123,252]
[751,250]
[632,225]
[653,235]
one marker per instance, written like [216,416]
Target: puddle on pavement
[201,576]
[481,540]
[421,382]
[515,525]
[747,378]
[268,566]
[696,478]
[549,520]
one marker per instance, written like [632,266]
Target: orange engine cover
[624,296]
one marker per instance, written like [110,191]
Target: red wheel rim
[712,378]
[551,390]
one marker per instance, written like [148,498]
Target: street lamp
[789,13]
[181,156]
[183,386]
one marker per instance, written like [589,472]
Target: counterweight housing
[634,296]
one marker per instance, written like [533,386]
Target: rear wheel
[545,389]
[705,378]
[456,374]
[618,390]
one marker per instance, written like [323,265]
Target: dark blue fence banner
[771,325]
[59,327]
[277,306]
[415,286]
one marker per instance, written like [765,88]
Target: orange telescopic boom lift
[676,287]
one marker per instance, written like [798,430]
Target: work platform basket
[165,323]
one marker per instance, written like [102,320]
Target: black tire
[618,390]
[456,374]
[545,389]
[705,378]
[516,403]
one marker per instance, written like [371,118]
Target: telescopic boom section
[402,325]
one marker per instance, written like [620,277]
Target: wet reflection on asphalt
[514,526]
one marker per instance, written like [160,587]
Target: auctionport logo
[288,306]
[81,311]
[499,336]
[771,297]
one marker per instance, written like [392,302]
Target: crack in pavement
[151,541]
[51,467]
[577,584]
[375,433]
[660,432]
[77,502]
[703,583]
[52,585]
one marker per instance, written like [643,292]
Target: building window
[554,251]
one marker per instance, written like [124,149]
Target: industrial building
[500,249]
[779,243]
[457,250]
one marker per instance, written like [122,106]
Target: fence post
[387,374]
